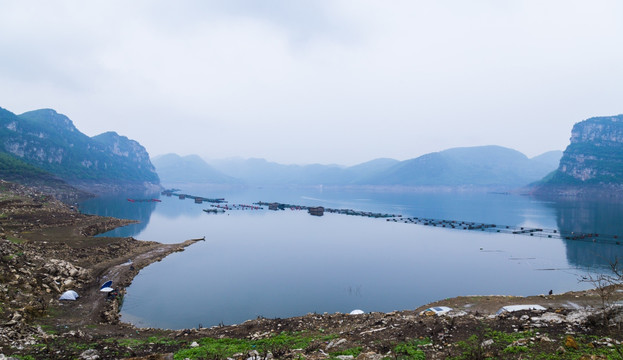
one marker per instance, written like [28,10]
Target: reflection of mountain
[173,207]
[118,206]
[586,216]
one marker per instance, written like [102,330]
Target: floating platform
[214,211]
[282,206]
[316,211]
[237,207]
[197,199]
[514,230]
[144,200]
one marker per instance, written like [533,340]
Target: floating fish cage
[316,211]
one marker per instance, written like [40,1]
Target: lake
[289,263]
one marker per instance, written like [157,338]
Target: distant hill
[550,159]
[263,172]
[482,166]
[592,162]
[173,169]
[485,166]
[50,142]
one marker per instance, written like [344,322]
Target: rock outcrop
[593,161]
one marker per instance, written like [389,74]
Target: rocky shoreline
[46,247]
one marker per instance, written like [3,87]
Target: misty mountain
[482,166]
[261,171]
[173,168]
[49,141]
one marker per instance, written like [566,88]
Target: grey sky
[316,81]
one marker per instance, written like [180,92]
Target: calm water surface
[288,263]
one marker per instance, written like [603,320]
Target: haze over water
[288,263]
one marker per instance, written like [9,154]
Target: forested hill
[48,142]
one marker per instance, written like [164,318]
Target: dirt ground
[48,247]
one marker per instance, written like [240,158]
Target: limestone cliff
[592,162]
[49,141]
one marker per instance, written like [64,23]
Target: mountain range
[484,167]
[45,148]
[46,144]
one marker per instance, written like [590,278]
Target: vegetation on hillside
[50,142]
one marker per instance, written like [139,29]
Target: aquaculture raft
[197,199]
[144,200]
[515,230]
[282,206]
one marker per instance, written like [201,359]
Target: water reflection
[601,217]
[118,206]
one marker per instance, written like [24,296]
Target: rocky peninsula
[47,247]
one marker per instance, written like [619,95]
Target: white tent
[357,312]
[106,289]
[69,295]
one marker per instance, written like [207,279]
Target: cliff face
[593,160]
[595,155]
[50,141]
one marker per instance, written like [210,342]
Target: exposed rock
[487,343]
[334,343]
[593,161]
[345,357]
[4,357]
[370,356]
[90,354]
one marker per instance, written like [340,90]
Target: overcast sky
[316,81]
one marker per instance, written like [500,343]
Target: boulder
[90,354]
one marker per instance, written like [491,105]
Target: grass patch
[53,311]
[48,329]
[24,357]
[137,343]
[411,350]
[501,345]
[15,240]
[223,348]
